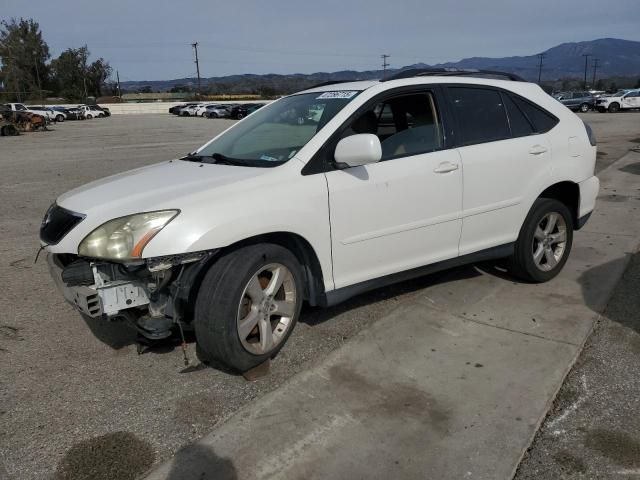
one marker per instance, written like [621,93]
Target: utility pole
[540,57]
[384,57]
[595,67]
[586,65]
[195,47]
[118,80]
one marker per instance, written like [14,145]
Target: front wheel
[544,242]
[585,107]
[614,107]
[59,118]
[89,116]
[248,304]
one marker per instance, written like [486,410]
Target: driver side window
[406,124]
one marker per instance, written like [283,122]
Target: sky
[151,39]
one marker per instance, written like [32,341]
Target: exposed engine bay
[152,294]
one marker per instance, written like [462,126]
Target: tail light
[590,134]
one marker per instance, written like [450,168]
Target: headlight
[124,238]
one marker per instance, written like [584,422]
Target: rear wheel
[585,107]
[240,116]
[59,118]
[544,242]
[248,304]
[614,107]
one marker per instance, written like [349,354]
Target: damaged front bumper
[154,294]
[102,296]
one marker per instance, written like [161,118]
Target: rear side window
[480,115]
[520,125]
[541,120]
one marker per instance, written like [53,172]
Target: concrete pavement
[450,385]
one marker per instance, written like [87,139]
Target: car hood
[166,185]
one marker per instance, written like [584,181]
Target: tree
[179,88]
[146,89]
[69,71]
[24,54]
[75,78]
[97,74]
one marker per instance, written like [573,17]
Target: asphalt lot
[66,395]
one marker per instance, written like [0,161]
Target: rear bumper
[588,193]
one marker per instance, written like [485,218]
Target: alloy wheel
[266,309]
[549,241]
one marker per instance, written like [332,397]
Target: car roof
[417,80]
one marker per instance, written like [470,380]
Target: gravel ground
[76,401]
[593,430]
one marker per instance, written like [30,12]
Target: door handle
[446,167]
[537,150]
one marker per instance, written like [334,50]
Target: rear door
[502,157]
[631,100]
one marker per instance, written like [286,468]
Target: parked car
[43,112]
[231,239]
[175,110]
[69,113]
[218,111]
[105,110]
[202,108]
[240,111]
[91,111]
[189,110]
[623,100]
[577,101]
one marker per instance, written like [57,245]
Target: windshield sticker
[268,158]
[338,94]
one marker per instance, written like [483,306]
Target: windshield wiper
[222,159]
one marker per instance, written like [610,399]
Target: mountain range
[616,58]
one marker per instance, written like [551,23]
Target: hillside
[617,58]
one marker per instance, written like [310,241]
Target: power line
[195,47]
[586,64]
[384,57]
[541,58]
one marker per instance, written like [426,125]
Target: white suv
[391,180]
[623,100]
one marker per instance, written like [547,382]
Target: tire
[534,237]
[224,299]
[89,117]
[614,107]
[59,118]
[9,131]
[240,116]
[584,108]
[101,115]
[213,115]
[602,109]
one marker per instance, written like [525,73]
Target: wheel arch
[314,292]
[567,192]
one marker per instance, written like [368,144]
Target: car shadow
[624,295]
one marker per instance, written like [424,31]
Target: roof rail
[454,72]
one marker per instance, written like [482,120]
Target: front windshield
[274,134]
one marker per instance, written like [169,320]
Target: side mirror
[357,150]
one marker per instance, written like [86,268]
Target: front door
[404,211]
